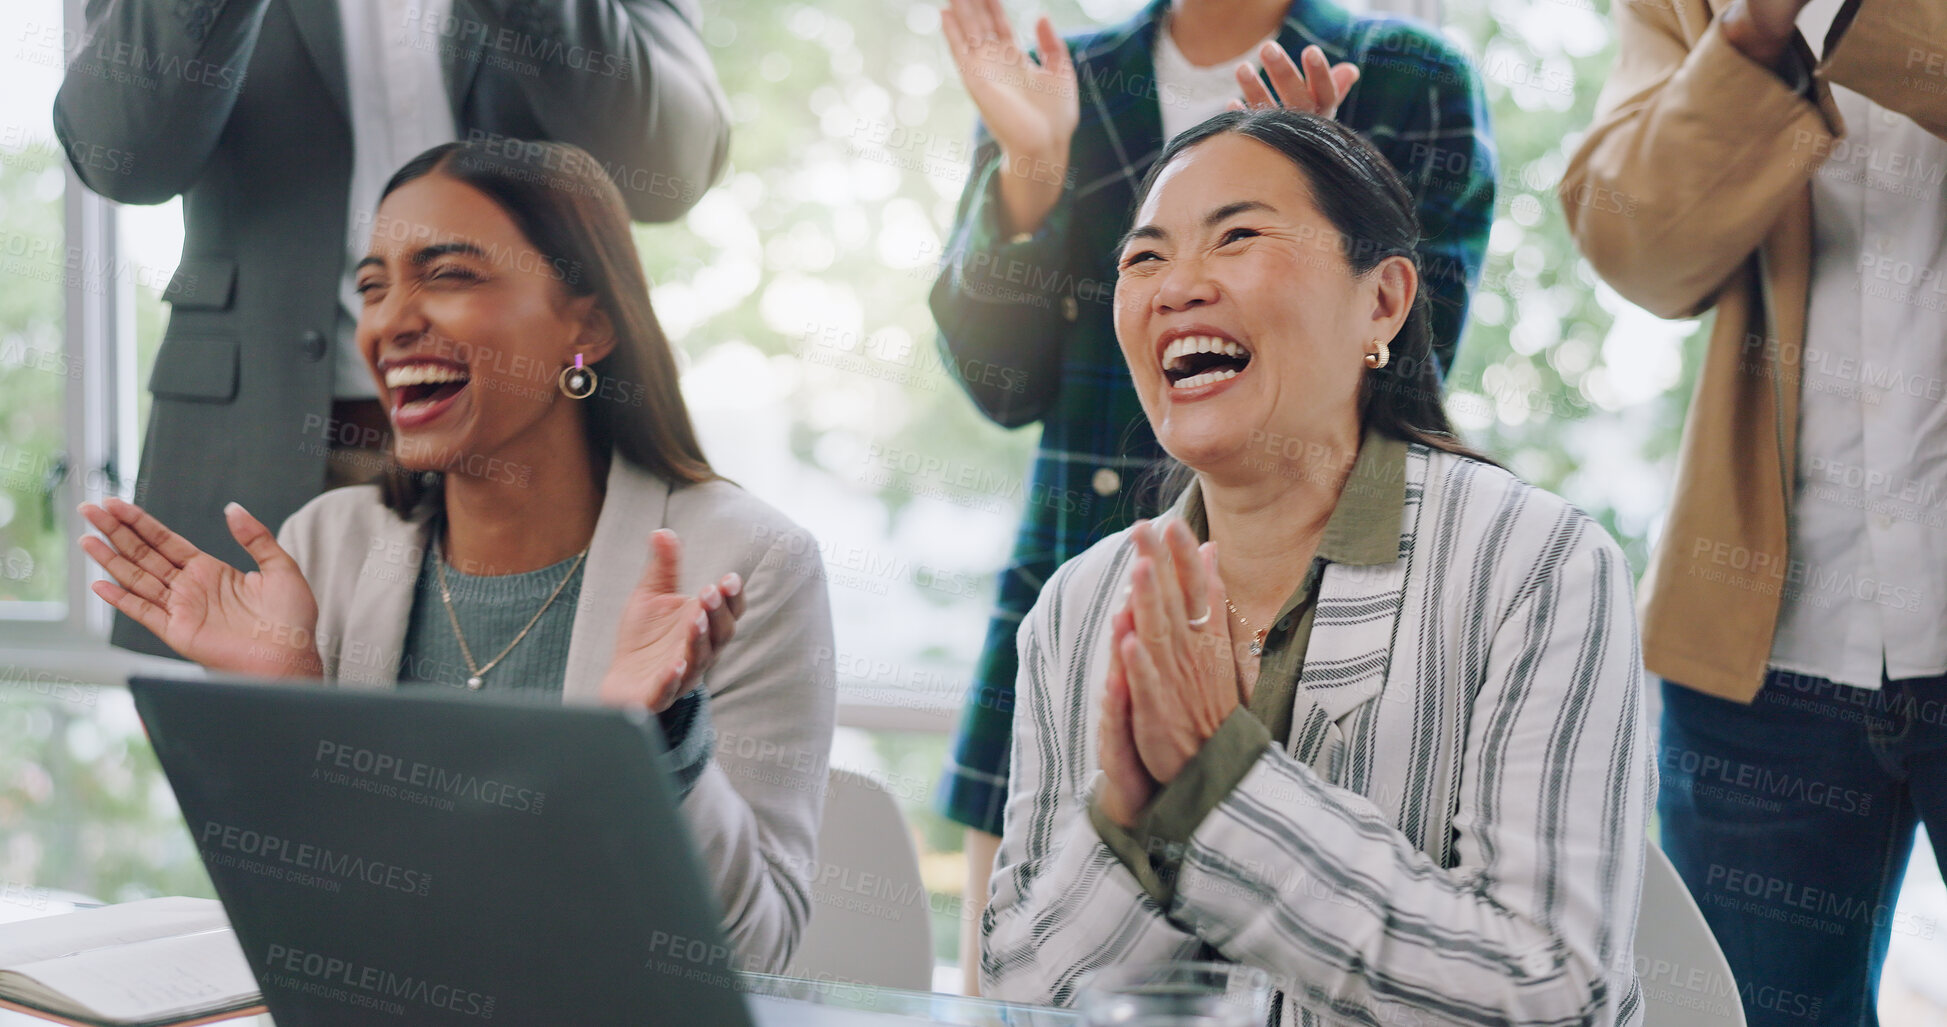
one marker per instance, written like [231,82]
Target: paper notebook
[157,961]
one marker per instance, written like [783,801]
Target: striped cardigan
[1456,831]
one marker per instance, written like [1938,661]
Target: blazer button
[1069,308]
[1106,481]
[313,346]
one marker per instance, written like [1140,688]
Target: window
[38,377]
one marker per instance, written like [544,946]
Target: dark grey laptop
[414,858]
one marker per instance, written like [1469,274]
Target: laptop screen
[444,859]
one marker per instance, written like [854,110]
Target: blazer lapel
[323,33]
[635,504]
[381,607]
[1353,630]
[1351,647]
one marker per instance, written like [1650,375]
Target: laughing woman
[539,438]
[1380,734]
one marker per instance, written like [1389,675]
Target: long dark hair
[1358,191]
[572,213]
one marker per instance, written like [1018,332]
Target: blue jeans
[1791,821]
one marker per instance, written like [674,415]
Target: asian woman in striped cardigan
[1381,733]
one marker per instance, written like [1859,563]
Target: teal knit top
[491,609]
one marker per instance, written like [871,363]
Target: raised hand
[666,639]
[1316,88]
[262,623]
[1031,109]
[1181,668]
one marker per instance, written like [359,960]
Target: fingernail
[702,622]
[733,584]
[233,507]
[712,598]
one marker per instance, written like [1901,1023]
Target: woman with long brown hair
[539,435]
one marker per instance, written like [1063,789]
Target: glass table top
[877,1005]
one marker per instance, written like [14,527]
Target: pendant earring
[1379,357]
[577,382]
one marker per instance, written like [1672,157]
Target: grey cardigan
[755,811]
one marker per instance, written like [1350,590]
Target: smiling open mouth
[423,386]
[1203,360]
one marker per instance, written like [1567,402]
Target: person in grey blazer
[1381,734]
[539,438]
[277,121]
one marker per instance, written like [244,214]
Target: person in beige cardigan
[537,425]
[1794,614]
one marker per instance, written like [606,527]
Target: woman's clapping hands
[1172,671]
[667,639]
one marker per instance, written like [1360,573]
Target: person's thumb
[257,540]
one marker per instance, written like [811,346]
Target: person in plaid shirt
[1028,276]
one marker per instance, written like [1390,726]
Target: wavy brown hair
[573,215]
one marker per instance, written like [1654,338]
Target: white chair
[1685,979]
[870,918]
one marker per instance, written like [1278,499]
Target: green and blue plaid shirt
[1027,329]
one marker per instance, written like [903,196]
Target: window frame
[98,411]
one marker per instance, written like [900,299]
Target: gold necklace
[476,672]
[1257,637]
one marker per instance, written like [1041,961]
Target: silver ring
[1197,622]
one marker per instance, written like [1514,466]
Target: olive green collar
[1364,528]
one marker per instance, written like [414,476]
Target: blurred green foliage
[33,374]
[1557,376]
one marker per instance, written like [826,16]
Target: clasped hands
[264,623]
[1172,677]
